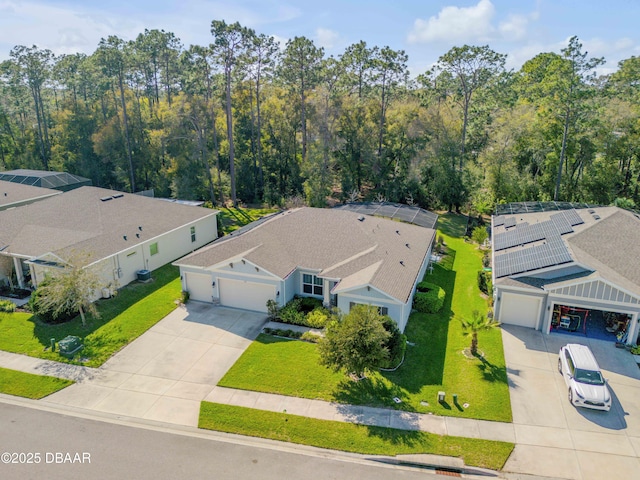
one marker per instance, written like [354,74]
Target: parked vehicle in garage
[586,385]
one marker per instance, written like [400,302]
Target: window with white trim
[193,234]
[311,284]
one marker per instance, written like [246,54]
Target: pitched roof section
[92,220]
[15,194]
[611,246]
[335,243]
[606,243]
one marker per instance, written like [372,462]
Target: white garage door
[245,295]
[520,310]
[199,287]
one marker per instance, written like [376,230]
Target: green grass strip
[350,437]
[135,309]
[29,385]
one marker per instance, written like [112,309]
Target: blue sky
[425,29]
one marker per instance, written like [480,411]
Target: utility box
[144,275]
[69,346]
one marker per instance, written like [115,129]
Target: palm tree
[476,324]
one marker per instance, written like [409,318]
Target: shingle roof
[90,220]
[13,194]
[611,246]
[335,243]
[607,243]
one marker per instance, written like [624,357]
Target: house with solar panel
[342,256]
[567,269]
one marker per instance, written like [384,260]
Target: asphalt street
[38,444]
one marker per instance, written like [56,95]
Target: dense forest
[247,120]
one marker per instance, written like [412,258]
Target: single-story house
[342,257]
[568,270]
[62,181]
[116,233]
[16,194]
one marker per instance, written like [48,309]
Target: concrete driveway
[165,373]
[555,439]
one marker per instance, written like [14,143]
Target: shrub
[297,312]
[429,298]
[273,309]
[308,304]
[396,344]
[310,337]
[184,298]
[484,282]
[46,314]
[480,235]
[486,260]
[7,306]
[317,318]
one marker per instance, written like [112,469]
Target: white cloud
[62,30]
[326,38]
[456,24]
[515,28]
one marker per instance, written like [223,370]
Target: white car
[580,370]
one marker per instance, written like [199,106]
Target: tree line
[246,120]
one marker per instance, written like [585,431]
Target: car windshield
[591,377]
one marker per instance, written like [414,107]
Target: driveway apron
[556,439]
[165,373]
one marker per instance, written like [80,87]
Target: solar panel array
[498,220]
[552,252]
[406,213]
[509,222]
[530,207]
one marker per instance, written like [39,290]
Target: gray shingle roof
[13,194]
[84,221]
[333,242]
[607,245]
[611,246]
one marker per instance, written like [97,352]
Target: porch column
[326,286]
[17,263]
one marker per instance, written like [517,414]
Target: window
[153,248]
[193,234]
[569,362]
[311,284]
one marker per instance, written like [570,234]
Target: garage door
[199,287]
[520,310]
[245,295]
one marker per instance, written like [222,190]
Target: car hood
[595,393]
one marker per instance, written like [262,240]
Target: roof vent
[137,235]
[398,232]
[5,194]
[118,195]
[140,227]
[406,245]
[124,236]
[361,218]
[597,217]
[402,262]
[106,199]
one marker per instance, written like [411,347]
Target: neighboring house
[117,233]
[62,181]
[570,271]
[341,257]
[16,195]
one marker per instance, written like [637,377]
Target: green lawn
[28,385]
[136,308]
[350,437]
[434,364]
[233,218]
